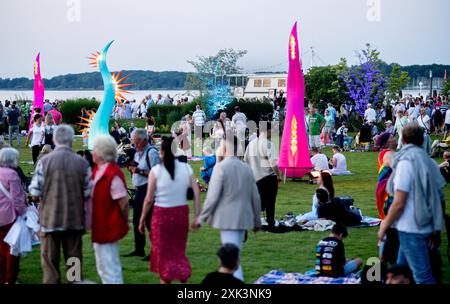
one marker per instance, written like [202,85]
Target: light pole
[420,88]
[431,84]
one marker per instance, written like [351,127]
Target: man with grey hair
[145,158]
[62,183]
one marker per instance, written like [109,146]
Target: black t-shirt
[116,135]
[221,279]
[13,116]
[330,257]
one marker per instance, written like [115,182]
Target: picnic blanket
[279,277]
[290,224]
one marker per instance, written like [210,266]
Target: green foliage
[207,67]
[446,88]
[167,115]
[71,109]
[397,81]
[193,82]
[252,108]
[138,123]
[322,85]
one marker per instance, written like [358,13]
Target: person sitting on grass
[439,147]
[444,167]
[208,165]
[229,262]
[338,162]
[399,274]
[320,198]
[323,194]
[330,255]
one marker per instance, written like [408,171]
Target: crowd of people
[80,192]
[131,109]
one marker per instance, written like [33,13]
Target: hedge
[253,109]
[71,109]
[166,115]
[169,114]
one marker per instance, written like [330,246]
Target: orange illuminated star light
[119,86]
[95,58]
[86,122]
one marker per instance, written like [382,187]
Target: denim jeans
[12,130]
[350,267]
[414,253]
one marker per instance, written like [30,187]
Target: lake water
[63,95]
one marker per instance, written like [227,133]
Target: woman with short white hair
[109,210]
[12,204]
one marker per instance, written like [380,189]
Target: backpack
[146,156]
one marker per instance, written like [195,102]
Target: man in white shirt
[370,114]
[239,122]
[262,158]
[416,211]
[398,107]
[199,119]
[319,160]
[134,109]
[447,123]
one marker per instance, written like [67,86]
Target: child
[330,255]
[209,163]
[229,261]
[341,135]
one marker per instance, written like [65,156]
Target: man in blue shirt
[47,106]
[150,102]
[13,119]
[145,158]
[332,112]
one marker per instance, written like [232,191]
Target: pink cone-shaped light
[38,90]
[294,154]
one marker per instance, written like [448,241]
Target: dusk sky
[163,35]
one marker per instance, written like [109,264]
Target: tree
[365,83]
[446,88]
[322,86]
[397,81]
[209,67]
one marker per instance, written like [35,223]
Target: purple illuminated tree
[364,82]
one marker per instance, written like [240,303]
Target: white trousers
[108,263]
[314,141]
[235,237]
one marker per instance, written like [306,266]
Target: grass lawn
[289,252]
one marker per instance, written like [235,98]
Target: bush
[169,114]
[138,123]
[253,109]
[71,109]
